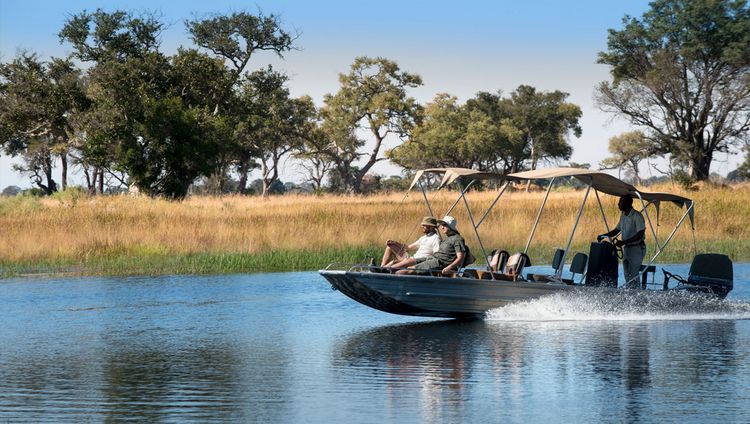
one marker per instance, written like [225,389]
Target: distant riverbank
[120,235]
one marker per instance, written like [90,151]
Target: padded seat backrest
[557,259]
[516,263]
[712,265]
[497,259]
[578,266]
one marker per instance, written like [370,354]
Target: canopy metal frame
[583,175]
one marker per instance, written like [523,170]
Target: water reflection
[269,349]
[542,366]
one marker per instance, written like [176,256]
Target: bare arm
[456,262]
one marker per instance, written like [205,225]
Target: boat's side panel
[436,295]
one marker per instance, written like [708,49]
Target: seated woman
[396,255]
[449,256]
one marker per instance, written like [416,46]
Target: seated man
[396,254]
[449,256]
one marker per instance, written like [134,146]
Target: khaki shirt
[630,225]
[448,249]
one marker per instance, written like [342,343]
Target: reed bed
[126,235]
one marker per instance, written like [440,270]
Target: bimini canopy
[606,183]
[450,175]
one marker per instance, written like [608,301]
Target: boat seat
[497,259]
[578,266]
[709,273]
[512,271]
[556,264]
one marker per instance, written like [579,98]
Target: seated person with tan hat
[450,254]
[396,255]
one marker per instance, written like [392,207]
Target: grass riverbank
[128,236]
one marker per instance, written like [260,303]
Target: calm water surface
[285,348]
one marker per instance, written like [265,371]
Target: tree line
[121,110]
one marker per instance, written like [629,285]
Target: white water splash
[622,305]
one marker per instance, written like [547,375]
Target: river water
[276,348]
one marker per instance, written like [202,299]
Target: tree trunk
[64,177]
[51,185]
[700,165]
[533,164]
[100,187]
[89,183]
[244,168]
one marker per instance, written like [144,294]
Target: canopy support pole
[429,207]
[538,215]
[661,249]
[558,272]
[601,209]
[459,197]
[493,204]
[653,232]
[474,226]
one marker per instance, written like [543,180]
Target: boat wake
[622,305]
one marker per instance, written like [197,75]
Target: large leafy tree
[155,117]
[40,101]
[682,72]
[126,69]
[628,151]
[492,132]
[450,134]
[373,99]
[546,120]
[271,124]
[492,125]
[235,39]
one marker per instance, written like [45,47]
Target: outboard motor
[709,273]
[603,265]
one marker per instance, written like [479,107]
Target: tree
[492,124]
[743,170]
[545,120]
[234,39]
[40,100]
[271,124]
[315,165]
[10,190]
[682,72]
[154,117]
[439,140]
[238,36]
[373,97]
[166,155]
[628,151]
[127,68]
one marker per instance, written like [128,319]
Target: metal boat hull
[434,296]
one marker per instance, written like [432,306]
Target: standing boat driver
[449,256]
[633,240]
[396,255]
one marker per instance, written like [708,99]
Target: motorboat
[471,292]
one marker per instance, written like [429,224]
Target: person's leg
[632,257]
[404,263]
[387,255]
[421,264]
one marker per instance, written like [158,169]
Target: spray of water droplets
[622,305]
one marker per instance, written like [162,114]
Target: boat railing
[347,266]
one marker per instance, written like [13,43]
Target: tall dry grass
[71,229]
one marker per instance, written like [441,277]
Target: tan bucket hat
[430,221]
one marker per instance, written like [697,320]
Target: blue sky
[458,48]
